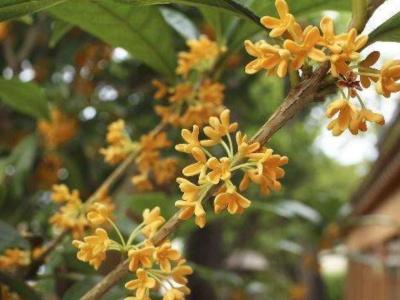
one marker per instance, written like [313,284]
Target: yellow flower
[174,294]
[14,258]
[202,56]
[166,170]
[191,202]
[99,212]
[199,167]
[211,92]
[219,127]
[329,39]
[267,173]
[152,221]
[62,194]
[164,254]
[234,202]
[306,48]
[346,114]
[281,25]
[142,284]
[70,217]
[59,130]
[190,190]
[192,207]
[191,138]
[93,248]
[245,148]
[162,89]
[183,91]
[141,257]
[350,44]
[365,66]
[389,78]
[221,169]
[272,58]
[359,122]
[142,182]
[180,272]
[120,144]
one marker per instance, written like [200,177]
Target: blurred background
[331,233]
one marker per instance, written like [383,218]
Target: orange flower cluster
[259,165]
[150,164]
[349,117]
[14,258]
[156,266]
[120,143]
[4,30]
[301,47]
[201,57]
[6,294]
[71,214]
[58,131]
[194,99]
[46,172]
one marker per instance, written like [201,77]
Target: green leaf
[19,286]
[220,21]
[10,9]
[23,157]
[60,29]
[24,97]
[141,31]
[9,238]
[389,31]
[180,23]
[226,5]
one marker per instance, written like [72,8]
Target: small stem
[361,102]
[226,148]
[118,232]
[207,152]
[230,143]
[134,234]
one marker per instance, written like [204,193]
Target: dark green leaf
[180,23]
[141,31]
[389,31]
[16,8]
[24,97]
[19,286]
[60,29]
[9,238]
[226,5]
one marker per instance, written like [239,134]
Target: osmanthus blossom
[196,96]
[155,267]
[298,48]
[258,165]
[76,216]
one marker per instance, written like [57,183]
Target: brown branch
[297,99]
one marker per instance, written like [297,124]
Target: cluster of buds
[119,142]
[58,130]
[13,259]
[297,48]
[152,167]
[196,97]
[71,214]
[157,267]
[258,165]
